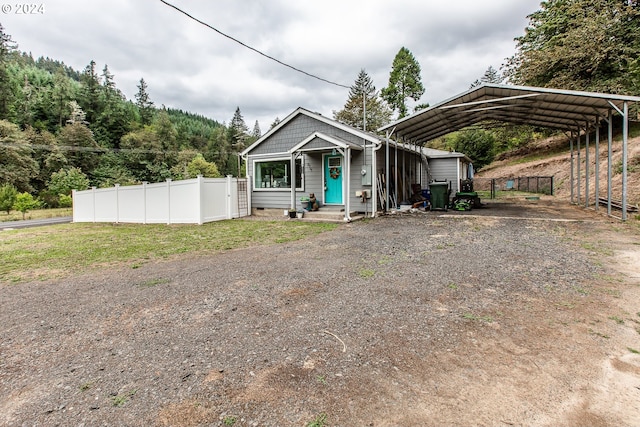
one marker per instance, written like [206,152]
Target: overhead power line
[252,48]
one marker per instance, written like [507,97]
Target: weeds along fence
[191,201]
[528,184]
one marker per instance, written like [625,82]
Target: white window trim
[278,159]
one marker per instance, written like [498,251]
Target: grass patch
[56,251]
[319,421]
[229,420]
[36,214]
[123,398]
[470,316]
[366,273]
[617,319]
[633,350]
[153,282]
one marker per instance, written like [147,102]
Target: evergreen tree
[275,123]
[83,150]
[238,130]
[17,166]
[404,82]
[256,133]
[7,46]
[363,97]
[90,95]
[144,103]
[61,96]
[489,76]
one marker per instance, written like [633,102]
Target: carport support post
[578,167]
[609,154]
[597,189]
[571,173]
[386,181]
[586,166]
[625,154]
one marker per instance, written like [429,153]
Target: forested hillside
[62,128]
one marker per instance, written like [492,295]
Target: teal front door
[333,179]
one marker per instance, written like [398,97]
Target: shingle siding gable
[299,128]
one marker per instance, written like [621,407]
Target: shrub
[8,195]
[25,202]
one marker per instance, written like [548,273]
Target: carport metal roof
[552,108]
[564,110]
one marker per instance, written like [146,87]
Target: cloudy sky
[191,67]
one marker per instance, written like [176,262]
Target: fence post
[117,204]
[200,198]
[144,202]
[93,193]
[228,201]
[169,200]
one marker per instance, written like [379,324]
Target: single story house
[346,169]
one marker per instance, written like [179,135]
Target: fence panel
[193,201]
[529,184]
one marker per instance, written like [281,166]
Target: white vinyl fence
[191,201]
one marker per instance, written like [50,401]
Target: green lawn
[56,251]
[36,214]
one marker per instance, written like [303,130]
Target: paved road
[10,225]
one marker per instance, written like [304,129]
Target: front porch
[326,213]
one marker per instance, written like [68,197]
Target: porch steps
[329,214]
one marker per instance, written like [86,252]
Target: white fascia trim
[320,135]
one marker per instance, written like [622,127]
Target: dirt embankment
[551,157]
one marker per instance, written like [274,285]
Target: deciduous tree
[588,45]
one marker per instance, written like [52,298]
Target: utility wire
[252,48]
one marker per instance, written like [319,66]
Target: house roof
[543,107]
[357,132]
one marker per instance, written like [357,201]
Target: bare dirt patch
[487,318]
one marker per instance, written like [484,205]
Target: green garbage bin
[439,195]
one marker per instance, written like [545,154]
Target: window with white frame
[276,174]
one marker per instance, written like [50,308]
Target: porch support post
[347,184]
[292,178]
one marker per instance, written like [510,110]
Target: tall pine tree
[7,46]
[144,103]
[404,82]
[364,98]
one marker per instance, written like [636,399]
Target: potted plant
[305,202]
[292,213]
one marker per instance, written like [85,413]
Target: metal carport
[571,111]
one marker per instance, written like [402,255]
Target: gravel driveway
[407,320]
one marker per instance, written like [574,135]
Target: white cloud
[191,67]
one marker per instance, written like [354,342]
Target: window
[276,174]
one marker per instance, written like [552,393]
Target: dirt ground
[519,313]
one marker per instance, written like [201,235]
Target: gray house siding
[445,169]
[295,131]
